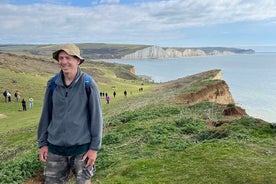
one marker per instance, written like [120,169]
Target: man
[31,102]
[17,95]
[5,93]
[23,102]
[70,127]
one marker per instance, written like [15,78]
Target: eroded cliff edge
[207,86]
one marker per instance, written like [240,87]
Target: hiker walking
[24,106]
[31,102]
[107,98]
[114,94]
[9,96]
[71,123]
[17,95]
[5,94]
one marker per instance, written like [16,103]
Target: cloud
[112,21]
[109,1]
[202,12]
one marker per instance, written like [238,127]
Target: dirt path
[38,179]
[2,116]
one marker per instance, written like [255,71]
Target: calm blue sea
[251,78]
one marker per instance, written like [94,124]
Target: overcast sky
[173,23]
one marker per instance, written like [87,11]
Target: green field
[147,137]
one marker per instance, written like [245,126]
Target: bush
[112,138]
[143,114]
[20,169]
[213,133]
[190,125]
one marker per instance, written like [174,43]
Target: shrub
[190,125]
[20,169]
[230,105]
[112,138]
[213,133]
[143,114]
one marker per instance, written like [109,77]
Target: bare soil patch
[38,179]
[2,116]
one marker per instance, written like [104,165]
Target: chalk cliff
[156,52]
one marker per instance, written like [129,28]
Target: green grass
[176,149]
[227,163]
[18,129]
[146,139]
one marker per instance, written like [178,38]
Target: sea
[251,77]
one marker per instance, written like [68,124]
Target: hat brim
[55,55]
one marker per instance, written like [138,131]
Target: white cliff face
[156,52]
[172,53]
[193,52]
[216,52]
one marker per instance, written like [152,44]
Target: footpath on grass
[2,116]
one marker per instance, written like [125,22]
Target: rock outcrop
[216,92]
[207,86]
[178,90]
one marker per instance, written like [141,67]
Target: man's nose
[63,60]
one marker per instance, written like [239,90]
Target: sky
[248,24]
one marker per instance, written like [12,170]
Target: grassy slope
[145,141]
[102,50]
[171,145]
[89,50]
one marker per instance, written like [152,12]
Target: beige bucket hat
[70,49]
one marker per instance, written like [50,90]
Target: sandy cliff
[217,92]
[190,90]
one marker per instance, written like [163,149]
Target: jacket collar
[61,82]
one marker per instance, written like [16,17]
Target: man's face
[68,64]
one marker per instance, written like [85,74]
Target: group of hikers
[7,95]
[8,98]
[107,97]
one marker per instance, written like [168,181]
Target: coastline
[251,78]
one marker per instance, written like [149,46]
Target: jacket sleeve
[45,118]
[96,119]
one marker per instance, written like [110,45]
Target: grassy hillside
[147,137]
[98,51]
[169,144]
[89,50]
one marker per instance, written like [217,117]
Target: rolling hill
[167,133]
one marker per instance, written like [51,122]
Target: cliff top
[97,51]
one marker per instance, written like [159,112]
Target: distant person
[71,123]
[107,98]
[125,93]
[17,96]
[24,106]
[31,102]
[9,96]
[114,94]
[5,94]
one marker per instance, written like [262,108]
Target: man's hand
[90,156]
[43,153]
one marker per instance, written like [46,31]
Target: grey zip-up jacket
[75,118]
